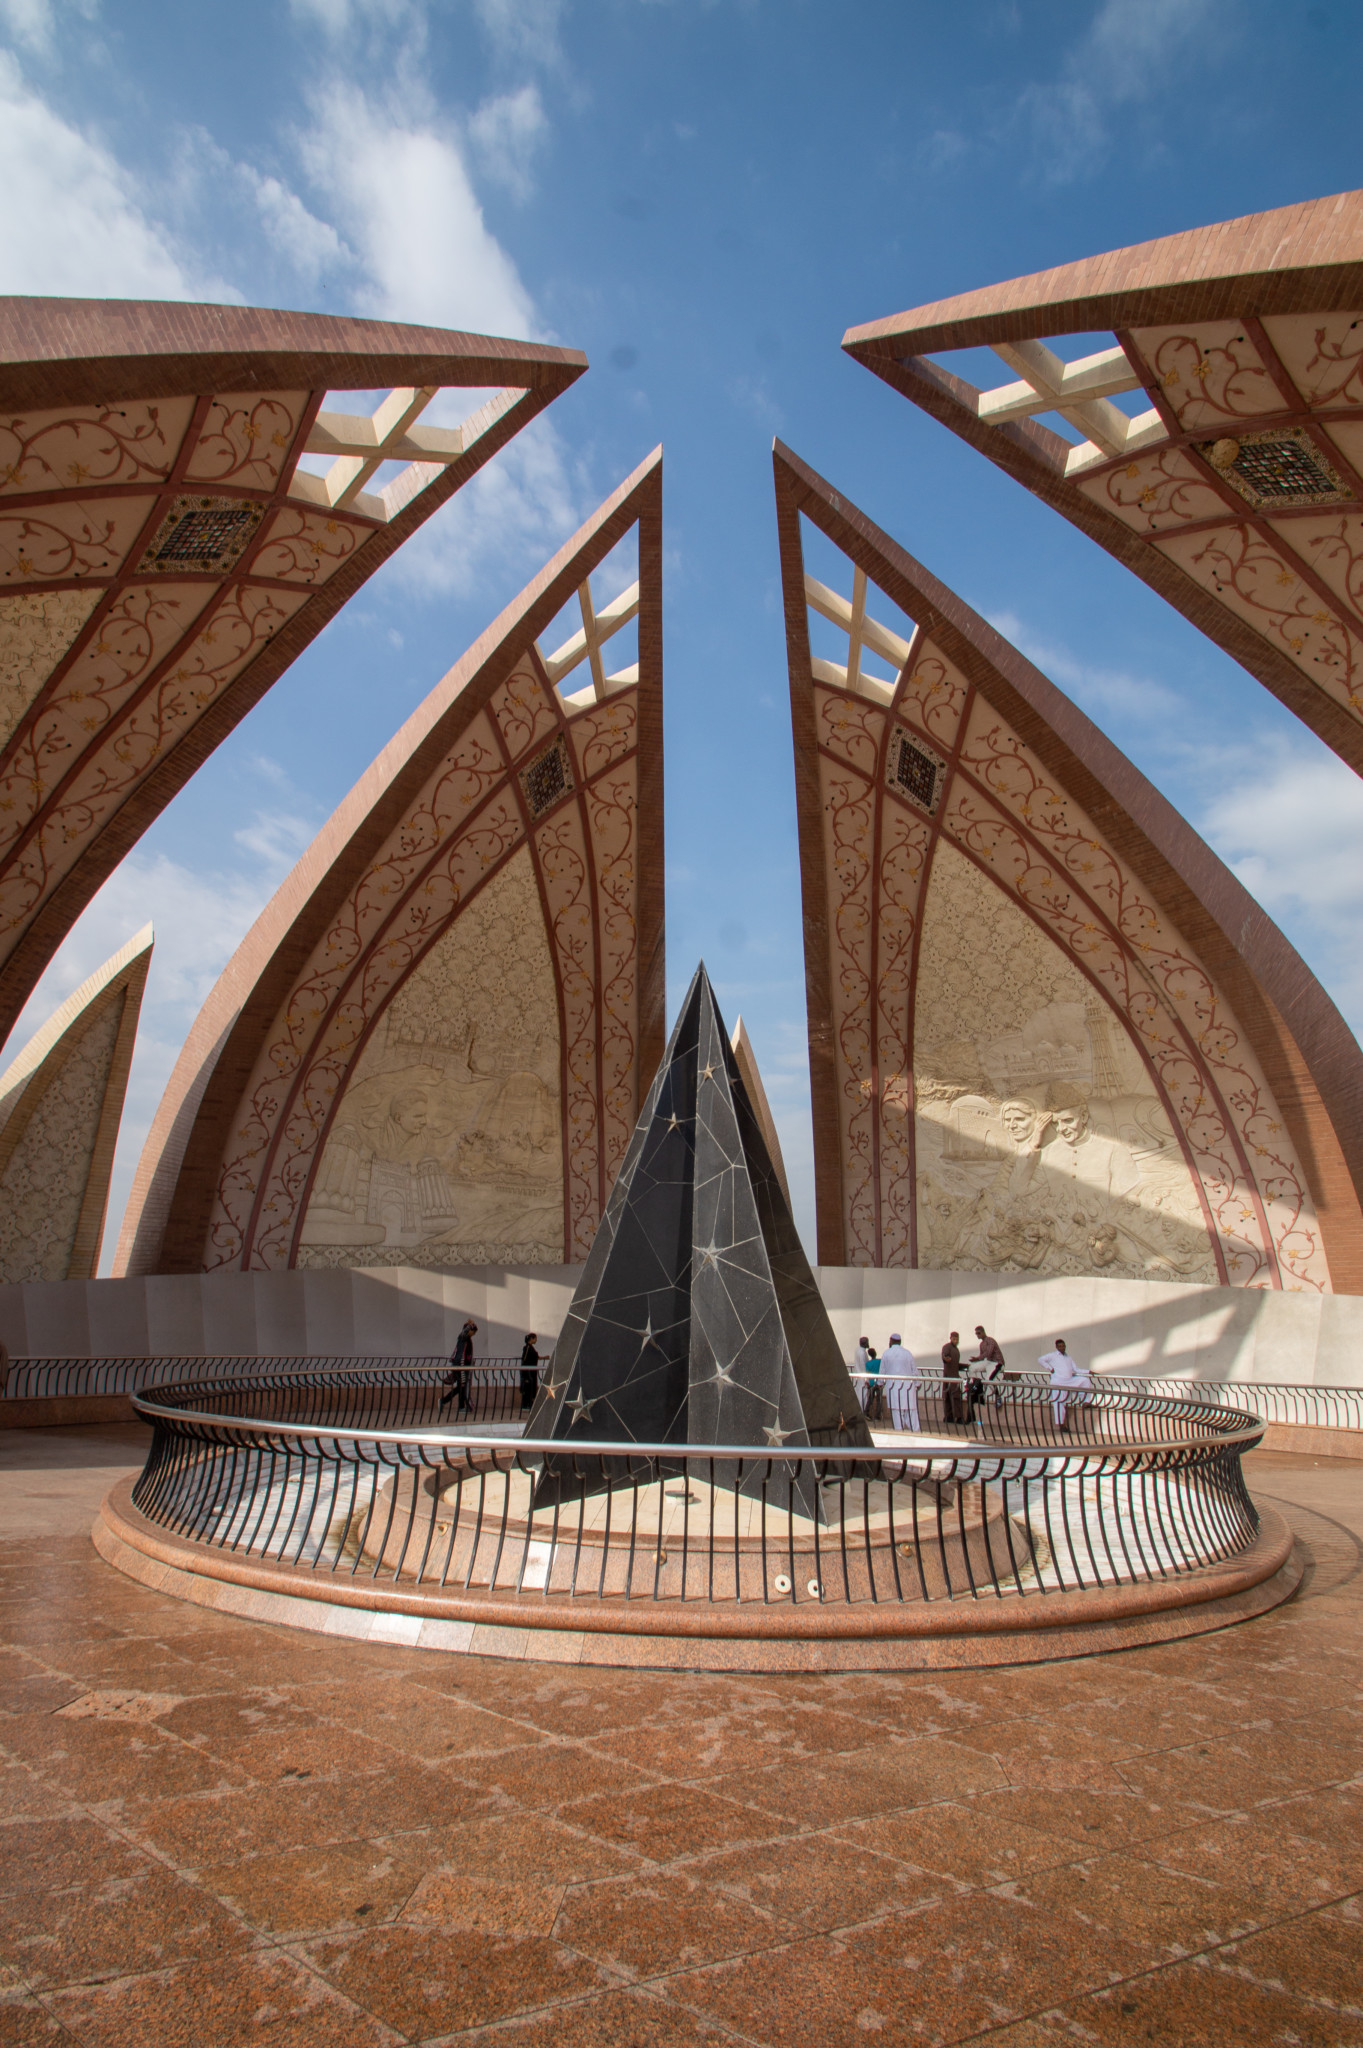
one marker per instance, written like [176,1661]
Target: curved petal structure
[1049,1031]
[61,1102]
[432,1046]
[1230,474]
[166,551]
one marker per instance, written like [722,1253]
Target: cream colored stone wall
[1042,1145]
[447,1146]
[35,631]
[44,1181]
[1136,1326]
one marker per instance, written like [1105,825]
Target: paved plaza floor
[215,1832]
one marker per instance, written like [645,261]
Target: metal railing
[942,1402]
[270,1470]
[498,1383]
[494,1384]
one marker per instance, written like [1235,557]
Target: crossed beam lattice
[586,645]
[863,633]
[360,443]
[1081,392]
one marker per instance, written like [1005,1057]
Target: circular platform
[952,1634]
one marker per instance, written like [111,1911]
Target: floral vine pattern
[135,442]
[55,789]
[459,833]
[1212,378]
[1155,491]
[98,692]
[1252,580]
[1322,354]
[876,859]
[1027,838]
[245,440]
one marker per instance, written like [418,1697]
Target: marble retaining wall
[1137,1326]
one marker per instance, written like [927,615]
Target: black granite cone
[696,1320]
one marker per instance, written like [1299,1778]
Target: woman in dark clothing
[530,1373]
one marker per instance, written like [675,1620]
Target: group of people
[456,1384]
[891,1382]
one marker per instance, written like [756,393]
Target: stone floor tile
[425,1981]
[1123,1899]
[668,1821]
[42,1855]
[321,1890]
[24,2023]
[38,1692]
[821,1792]
[1318,1957]
[98,1761]
[662,1921]
[967,1841]
[836,1991]
[524,1847]
[210,1718]
[26,1796]
[1265,1857]
[476,1904]
[583,1701]
[550,1774]
[815,1883]
[1094,1817]
[1230,1776]
[299,1814]
[417,1720]
[273,1755]
[714,1747]
[113,1927]
[1198,2004]
[251,1998]
[614,2019]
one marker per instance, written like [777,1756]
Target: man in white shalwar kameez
[901,1371]
[1066,1373]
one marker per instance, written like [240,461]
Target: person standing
[530,1373]
[1070,1382]
[951,1379]
[872,1393]
[456,1380]
[902,1373]
[989,1354]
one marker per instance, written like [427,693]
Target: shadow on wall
[1135,1326]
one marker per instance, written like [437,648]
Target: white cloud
[200,917]
[524,29]
[308,244]
[1121,59]
[1094,689]
[505,134]
[29,22]
[1294,835]
[73,223]
[404,197]
[511,516]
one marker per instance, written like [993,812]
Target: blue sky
[702,194]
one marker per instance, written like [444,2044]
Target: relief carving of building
[431,1048]
[1048,1029]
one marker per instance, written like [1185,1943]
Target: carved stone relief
[1042,1144]
[446,1148]
[43,1186]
